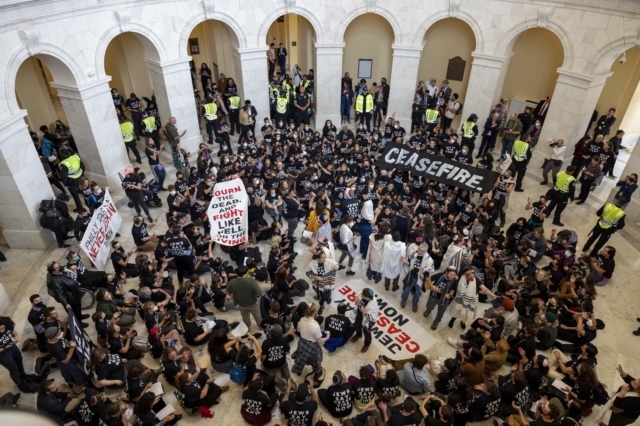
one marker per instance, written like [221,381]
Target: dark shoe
[75,210]
[341,267]
[64,246]
[451,322]
[544,182]
[40,362]
[395,288]
[16,397]
[387,359]
[501,224]
[557,223]
[162,188]
[84,325]
[463,325]
[178,418]
[638,319]
[257,335]
[207,313]
[434,325]
[519,190]
[321,310]
[84,316]
[386,287]
[233,325]
[414,308]
[496,423]
[464,336]
[403,303]
[364,349]
[580,202]
[355,338]
[636,333]
[350,273]
[118,235]
[426,314]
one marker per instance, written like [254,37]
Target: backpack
[162,133]
[600,395]
[339,245]
[46,205]
[237,374]
[459,111]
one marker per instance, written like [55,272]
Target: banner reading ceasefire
[228,213]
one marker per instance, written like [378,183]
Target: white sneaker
[452,342]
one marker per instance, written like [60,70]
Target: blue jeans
[417,291]
[345,109]
[507,145]
[370,274]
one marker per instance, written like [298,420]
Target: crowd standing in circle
[434,245]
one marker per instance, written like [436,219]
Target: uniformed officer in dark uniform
[302,103]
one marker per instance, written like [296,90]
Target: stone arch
[297,10]
[153,46]
[508,40]
[349,17]
[237,33]
[421,32]
[602,61]
[63,67]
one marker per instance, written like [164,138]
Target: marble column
[23,184]
[328,78]
[574,99]
[404,79]
[173,88]
[94,123]
[485,85]
[254,80]
[633,209]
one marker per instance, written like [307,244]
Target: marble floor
[24,274]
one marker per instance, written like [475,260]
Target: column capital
[406,51]
[489,60]
[329,49]
[249,53]
[84,91]
[583,81]
[12,124]
[168,66]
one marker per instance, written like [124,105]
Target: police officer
[274,89]
[234,113]
[127,129]
[134,107]
[470,132]
[302,102]
[563,190]
[149,125]
[281,107]
[70,170]
[611,220]
[210,113]
[431,117]
[521,157]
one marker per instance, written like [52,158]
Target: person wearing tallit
[456,254]
[364,317]
[417,271]
[625,404]
[375,254]
[367,225]
[322,272]
[466,299]
[327,246]
[503,187]
[395,254]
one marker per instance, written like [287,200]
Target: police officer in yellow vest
[70,169]
[563,190]
[210,114]
[127,129]
[149,125]
[470,132]
[521,157]
[281,107]
[234,114]
[364,108]
[431,117]
[611,220]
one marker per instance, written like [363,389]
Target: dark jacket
[64,288]
[603,126]
[487,128]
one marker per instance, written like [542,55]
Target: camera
[623,58]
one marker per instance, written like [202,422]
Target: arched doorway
[451,61]
[532,72]
[298,36]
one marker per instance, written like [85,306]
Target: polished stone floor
[24,274]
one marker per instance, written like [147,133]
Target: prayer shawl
[367,210]
[375,256]
[313,223]
[391,263]
[609,405]
[328,278]
[453,257]
[504,166]
[345,235]
[371,313]
[330,251]
[426,264]
[466,300]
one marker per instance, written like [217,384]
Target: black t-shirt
[116,257]
[536,379]
[398,419]
[268,322]
[290,210]
[537,209]
[449,149]
[191,394]
[485,406]
[111,368]
[607,264]
[192,330]
[459,406]
[170,369]
[178,246]
[299,414]
[135,388]
[139,232]
[115,344]
[59,349]
[511,392]
[275,352]
[340,400]
[388,389]
[364,390]
[337,325]
[255,403]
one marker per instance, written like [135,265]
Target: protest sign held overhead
[105,222]
[228,213]
[440,169]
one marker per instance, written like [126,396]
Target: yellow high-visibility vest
[234,102]
[150,122]
[467,129]
[127,131]
[432,115]
[368,106]
[520,149]
[281,107]
[563,182]
[210,111]
[610,216]
[359,103]
[73,166]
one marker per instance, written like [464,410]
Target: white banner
[227,213]
[395,333]
[101,231]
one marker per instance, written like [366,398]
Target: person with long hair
[144,413]
[287,284]
[10,355]
[312,221]
[461,399]
[346,241]
[309,350]
[257,402]
[338,397]
[322,272]
[580,151]
[197,390]
[472,367]
[375,254]
[220,349]
[395,252]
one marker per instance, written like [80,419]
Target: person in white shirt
[555,162]
[432,88]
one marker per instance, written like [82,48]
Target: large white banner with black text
[227,213]
[105,222]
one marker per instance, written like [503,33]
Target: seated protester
[257,403]
[472,366]
[536,374]
[486,402]
[583,386]
[445,379]
[585,331]
[364,389]
[156,343]
[199,242]
[139,381]
[116,288]
[93,407]
[604,265]
[220,300]
[492,328]
[115,415]
[338,397]
[287,283]
[259,230]
[196,329]
[63,351]
[626,402]
[548,415]
[156,296]
[443,413]
[198,292]
[110,370]
[460,400]
[388,386]
[407,413]
[338,325]
[546,331]
[299,408]
[560,366]
[495,355]
[244,251]
[537,243]
[514,389]
[273,319]
[155,316]
[85,277]
[56,403]
[173,363]
[526,340]
[114,309]
[120,259]
[221,351]
[245,359]
[176,201]
[197,390]
[412,375]
[116,344]
[274,354]
[151,276]
[102,323]
[144,413]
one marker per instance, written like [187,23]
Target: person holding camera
[554,163]
[628,186]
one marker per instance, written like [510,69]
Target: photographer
[628,186]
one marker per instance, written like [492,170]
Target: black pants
[184,266]
[93,279]
[136,119]
[209,124]
[137,199]
[244,134]
[521,169]
[53,180]
[365,118]
[323,297]
[302,117]
[487,144]
[470,142]
[600,236]
[559,201]
[359,330]
[585,188]
[234,121]
[446,123]
[76,307]
[11,359]
[132,146]
[72,184]
[416,120]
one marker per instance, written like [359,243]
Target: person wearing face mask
[465,156]
[85,277]
[450,148]
[63,351]
[366,315]
[65,289]
[470,132]
[346,239]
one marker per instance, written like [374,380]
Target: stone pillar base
[23,239]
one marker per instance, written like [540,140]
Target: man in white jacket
[420,266]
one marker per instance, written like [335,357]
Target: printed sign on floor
[105,222]
[228,213]
[395,333]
